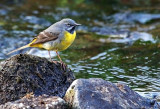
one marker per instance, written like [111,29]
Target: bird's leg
[58,56]
[49,55]
[62,64]
[51,58]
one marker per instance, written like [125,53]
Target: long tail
[23,47]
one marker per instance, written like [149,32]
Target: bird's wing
[45,37]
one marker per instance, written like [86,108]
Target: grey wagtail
[57,37]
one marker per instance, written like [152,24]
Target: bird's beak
[77,24]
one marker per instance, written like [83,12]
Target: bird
[57,37]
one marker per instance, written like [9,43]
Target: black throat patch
[71,30]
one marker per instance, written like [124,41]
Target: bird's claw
[63,65]
[55,62]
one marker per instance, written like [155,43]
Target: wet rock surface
[100,94]
[41,102]
[23,74]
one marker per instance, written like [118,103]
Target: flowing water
[118,40]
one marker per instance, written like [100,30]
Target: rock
[23,74]
[41,102]
[99,94]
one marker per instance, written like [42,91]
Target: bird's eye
[68,24]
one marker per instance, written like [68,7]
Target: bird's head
[69,25]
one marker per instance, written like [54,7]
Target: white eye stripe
[70,28]
[69,25]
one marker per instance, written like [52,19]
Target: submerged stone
[99,94]
[22,74]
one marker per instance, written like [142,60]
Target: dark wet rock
[97,93]
[41,102]
[24,74]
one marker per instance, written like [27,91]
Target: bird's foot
[56,62]
[63,65]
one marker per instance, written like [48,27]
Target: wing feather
[45,37]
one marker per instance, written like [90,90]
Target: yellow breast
[66,41]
